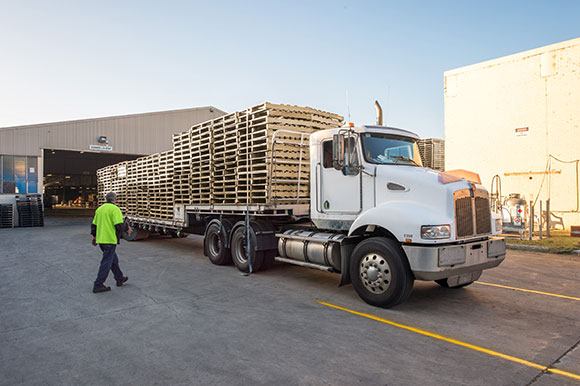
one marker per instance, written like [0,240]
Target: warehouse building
[518,117]
[60,159]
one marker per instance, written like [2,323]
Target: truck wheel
[239,255]
[380,272]
[444,283]
[215,245]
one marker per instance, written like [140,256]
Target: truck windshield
[390,149]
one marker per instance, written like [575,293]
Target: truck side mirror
[338,151]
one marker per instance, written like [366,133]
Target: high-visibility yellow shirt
[106,217]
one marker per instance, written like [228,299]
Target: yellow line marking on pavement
[457,342]
[527,290]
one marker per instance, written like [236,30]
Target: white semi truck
[376,217]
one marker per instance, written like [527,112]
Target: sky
[63,60]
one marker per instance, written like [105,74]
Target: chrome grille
[464,216]
[482,215]
[472,213]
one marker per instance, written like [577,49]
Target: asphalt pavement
[180,320]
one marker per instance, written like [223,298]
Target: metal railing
[303,142]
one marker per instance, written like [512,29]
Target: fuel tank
[320,248]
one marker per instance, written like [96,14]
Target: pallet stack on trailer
[200,177]
[181,167]
[132,188]
[164,189]
[238,160]
[256,156]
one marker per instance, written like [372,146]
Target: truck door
[339,193]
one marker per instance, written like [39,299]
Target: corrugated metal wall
[131,134]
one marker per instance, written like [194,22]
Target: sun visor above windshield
[450,176]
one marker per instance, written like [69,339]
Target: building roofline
[31,126]
[514,57]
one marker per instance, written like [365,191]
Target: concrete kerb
[534,248]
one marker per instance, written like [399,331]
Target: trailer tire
[215,241]
[238,251]
[380,272]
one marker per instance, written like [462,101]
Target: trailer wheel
[380,272]
[239,255]
[215,245]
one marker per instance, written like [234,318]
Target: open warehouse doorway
[70,182]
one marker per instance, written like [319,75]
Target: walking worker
[107,229]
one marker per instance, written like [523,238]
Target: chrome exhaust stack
[379,113]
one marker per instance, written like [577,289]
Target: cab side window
[327,154]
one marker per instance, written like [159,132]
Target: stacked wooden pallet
[113,178]
[200,177]
[6,215]
[119,185]
[432,152]
[30,211]
[181,167]
[256,156]
[161,185]
[132,188]
[105,179]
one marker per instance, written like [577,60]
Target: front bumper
[439,262]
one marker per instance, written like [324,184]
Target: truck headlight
[435,231]
[498,225]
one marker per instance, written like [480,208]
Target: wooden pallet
[232,159]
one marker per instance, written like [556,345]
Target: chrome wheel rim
[215,244]
[239,250]
[375,273]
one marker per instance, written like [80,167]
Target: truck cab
[404,222]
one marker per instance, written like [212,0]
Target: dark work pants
[110,262]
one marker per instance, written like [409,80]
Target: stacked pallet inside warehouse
[432,152]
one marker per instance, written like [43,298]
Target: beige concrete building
[519,117]
[60,159]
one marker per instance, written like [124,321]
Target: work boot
[123,280]
[101,288]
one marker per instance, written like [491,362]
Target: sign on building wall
[101,147]
[522,132]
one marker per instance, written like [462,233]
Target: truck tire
[380,272]
[238,250]
[215,241]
